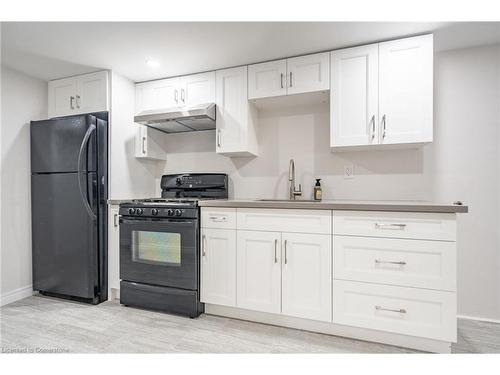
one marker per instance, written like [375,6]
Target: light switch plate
[349,171]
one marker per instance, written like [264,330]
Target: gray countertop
[351,205]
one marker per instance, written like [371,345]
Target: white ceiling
[51,50]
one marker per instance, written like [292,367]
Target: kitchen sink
[286,200]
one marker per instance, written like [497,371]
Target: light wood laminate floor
[42,322]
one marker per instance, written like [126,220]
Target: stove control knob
[131,211]
[178,212]
[178,181]
[139,211]
[154,211]
[170,212]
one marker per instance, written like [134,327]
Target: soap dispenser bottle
[318,194]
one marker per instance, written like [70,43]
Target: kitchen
[399,124]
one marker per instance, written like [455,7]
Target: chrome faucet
[291,178]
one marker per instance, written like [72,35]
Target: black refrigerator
[69,192]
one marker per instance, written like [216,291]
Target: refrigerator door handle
[85,141]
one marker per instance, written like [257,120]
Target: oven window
[156,247]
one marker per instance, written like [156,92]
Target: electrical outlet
[349,171]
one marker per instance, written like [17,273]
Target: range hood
[179,120]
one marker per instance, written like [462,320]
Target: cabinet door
[148,144]
[92,92]
[267,79]
[113,252]
[218,266]
[62,97]
[235,132]
[405,90]
[259,271]
[307,276]
[308,73]
[157,95]
[354,96]
[198,89]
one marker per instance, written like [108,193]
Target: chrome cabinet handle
[390,226]
[373,127]
[276,251]
[144,145]
[380,308]
[71,99]
[281,80]
[383,127]
[218,219]
[400,263]
[291,81]
[78,101]
[286,258]
[176,96]
[218,138]
[204,245]
[115,220]
[183,96]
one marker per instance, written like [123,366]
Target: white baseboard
[467,317]
[16,295]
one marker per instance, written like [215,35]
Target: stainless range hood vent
[179,120]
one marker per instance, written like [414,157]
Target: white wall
[129,177]
[461,164]
[23,99]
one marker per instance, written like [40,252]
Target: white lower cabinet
[113,251]
[382,276]
[218,266]
[259,271]
[307,276]
[409,311]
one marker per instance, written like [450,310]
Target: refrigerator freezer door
[64,236]
[55,144]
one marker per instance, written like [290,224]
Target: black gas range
[160,244]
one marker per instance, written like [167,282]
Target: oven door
[160,252]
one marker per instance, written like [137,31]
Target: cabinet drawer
[422,264]
[222,218]
[285,220]
[408,311]
[417,225]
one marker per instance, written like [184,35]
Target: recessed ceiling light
[153,63]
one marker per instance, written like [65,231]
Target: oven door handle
[158,221]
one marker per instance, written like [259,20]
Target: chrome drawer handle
[204,245]
[390,226]
[115,220]
[218,219]
[400,263]
[276,251]
[380,308]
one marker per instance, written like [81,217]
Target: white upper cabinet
[62,96]
[382,93]
[354,96]
[92,92]
[175,92]
[267,79]
[308,73]
[164,93]
[148,145]
[296,75]
[198,89]
[76,95]
[307,276]
[235,118]
[405,90]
